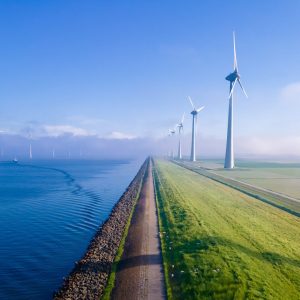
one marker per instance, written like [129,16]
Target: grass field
[219,243]
[278,177]
[256,186]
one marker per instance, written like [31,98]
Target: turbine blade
[235,66]
[232,88]
[182,119]
[191,102]
[200,108]
[242,88]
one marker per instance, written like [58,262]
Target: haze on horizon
[109,79]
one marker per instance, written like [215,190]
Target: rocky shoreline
[89,276]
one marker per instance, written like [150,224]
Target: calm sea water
[49,211]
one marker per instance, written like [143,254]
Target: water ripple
[49,211]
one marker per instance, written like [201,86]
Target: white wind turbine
[232,78]
[180,129]
[169,151]
[171,133]
[194,113]
[30,147]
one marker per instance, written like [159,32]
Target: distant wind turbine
[180,129]
[30,147]
[30,151]
[171,133]
[53,153]
[232,78]
[169,151]
[194,113]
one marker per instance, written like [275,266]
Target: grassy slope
[281,180]
[278,177]
[228,179]
[224,244]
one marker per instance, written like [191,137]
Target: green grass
[279,177]
[281,180]
[218,243]
[231,178]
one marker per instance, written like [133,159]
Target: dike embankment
[139,273]
[90,275]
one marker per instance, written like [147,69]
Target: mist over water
[49,211]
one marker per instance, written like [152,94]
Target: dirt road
[140,272]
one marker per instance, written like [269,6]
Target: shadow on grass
[209,243]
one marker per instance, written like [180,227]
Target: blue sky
[124,69]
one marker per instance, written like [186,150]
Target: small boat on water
[9,162]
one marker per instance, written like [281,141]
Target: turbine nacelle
[233,76]
[195,111]
[180,125]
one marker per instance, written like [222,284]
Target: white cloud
[58,130]
[269,146]
[291,93]
[116,135]
[4,131]
[258,146]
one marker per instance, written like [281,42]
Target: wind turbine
[180,129]
[233,78]
[194,113]
[171,133]
[30,147]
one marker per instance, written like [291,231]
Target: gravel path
[140,272]
[90,274]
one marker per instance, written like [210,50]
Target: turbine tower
[171,133]
[30,151]
[30,147]
[180,129]
[194,113]
[232,78]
